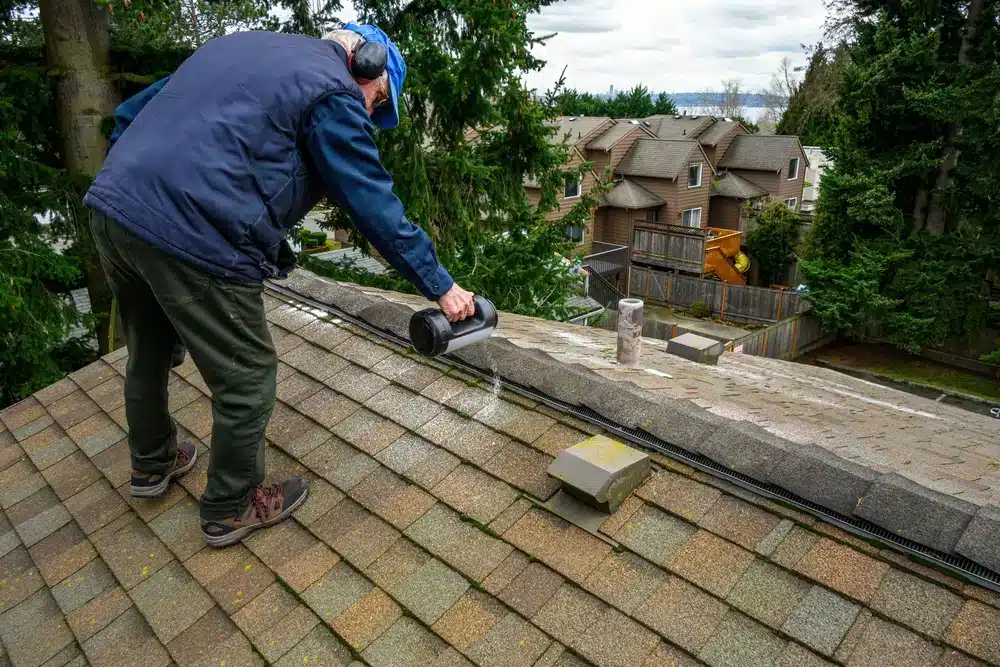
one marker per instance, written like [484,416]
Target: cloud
[672,46]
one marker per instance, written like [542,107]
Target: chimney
[630,322]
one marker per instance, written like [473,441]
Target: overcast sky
[670,45]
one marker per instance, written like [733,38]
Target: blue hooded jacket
[217,162]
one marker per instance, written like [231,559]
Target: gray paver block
[910,510]
[601,472]
[695,348]
[979,541]
[747,448]
[824,478]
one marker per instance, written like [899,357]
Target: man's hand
[457,304]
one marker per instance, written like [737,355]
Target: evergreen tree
[637,102]
[812,108]
[773,239]
[34,320]
[466,189]
[908,222]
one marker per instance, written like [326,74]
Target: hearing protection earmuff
[367,61]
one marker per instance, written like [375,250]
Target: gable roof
[756,152]
[657,158]
[579,128]
[679,127]
[733,185]
[616,133]
[627,194]
[432,521]
[717,132]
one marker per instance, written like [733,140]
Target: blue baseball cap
[387,116]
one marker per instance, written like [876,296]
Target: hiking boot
[151,485]
[268,506]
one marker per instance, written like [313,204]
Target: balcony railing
[681,248]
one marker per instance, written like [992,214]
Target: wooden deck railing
[681,248]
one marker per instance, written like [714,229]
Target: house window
[792,203]
[653,215]
[572,187]
[575,233]
[793,169]
[694,175]
[691,217]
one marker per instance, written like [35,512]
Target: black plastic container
[432,334]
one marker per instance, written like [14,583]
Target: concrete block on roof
[747,448]
[696,348]
[915,512]
[621,402]
[981,540]
[389,316]
[600,471]
[824,478]
[570,383]
[684,424]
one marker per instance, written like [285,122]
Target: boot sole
[240,533]
[161,487]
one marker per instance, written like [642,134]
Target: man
[207,172]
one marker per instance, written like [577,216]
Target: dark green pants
[163,301]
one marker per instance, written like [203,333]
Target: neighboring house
[776,164]
[696,172]
[818,163]
[730,195]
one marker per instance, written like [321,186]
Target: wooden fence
[733,303]
[788,339]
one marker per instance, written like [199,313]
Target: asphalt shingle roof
[734,185]
[657,158]
[627,194]
[679,127]
[424,539]
[714,134]
[577,127]
[612,136]
[759,153]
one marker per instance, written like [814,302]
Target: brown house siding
[686,197]
[615,225]
[726,213]
[766,180]
[788,189]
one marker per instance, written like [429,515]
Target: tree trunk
[77,49]
[936,219]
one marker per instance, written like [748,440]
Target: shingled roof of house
[679,127]
[627,194]
[427,538]
[715,134]
[578,128]
[657,158]
[759,152]
[734,185]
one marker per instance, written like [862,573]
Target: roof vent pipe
[630,320]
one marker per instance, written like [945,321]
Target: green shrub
[700,309]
